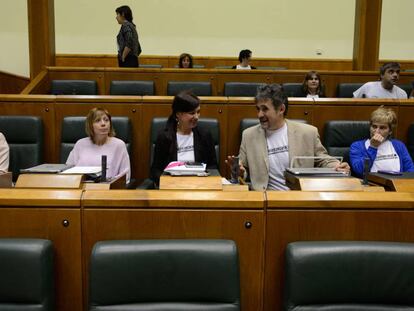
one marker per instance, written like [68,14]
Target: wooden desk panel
[159,223]
[329,216]
[40,214]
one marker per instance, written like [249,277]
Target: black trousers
[130,61]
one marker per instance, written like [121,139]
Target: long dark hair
[126,12]
[184,101]
[321,88]
[182,56]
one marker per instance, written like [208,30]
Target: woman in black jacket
[181,139]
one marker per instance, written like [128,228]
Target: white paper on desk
[83,170]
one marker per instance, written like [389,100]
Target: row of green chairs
[179,275]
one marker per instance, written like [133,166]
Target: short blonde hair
[384,115]
[93,115]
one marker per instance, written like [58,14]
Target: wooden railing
[217,77]
[228,110]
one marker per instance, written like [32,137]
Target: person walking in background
[128,44]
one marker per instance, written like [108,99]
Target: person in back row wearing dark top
[128,44]
[185,61]
[244,59]
[312,85]
[181,139]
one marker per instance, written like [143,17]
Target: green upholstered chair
[74,87]
[24,134]
[292,89]
[123,87]
[26,275]
[173,275]
[346,90]
[244,89]
[349,276]
[339,135]
[199,88]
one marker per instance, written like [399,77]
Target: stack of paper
[177,168]
[97,170]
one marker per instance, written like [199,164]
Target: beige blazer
[4,154]
[303,140]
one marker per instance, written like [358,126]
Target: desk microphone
[103,168]
[366,171]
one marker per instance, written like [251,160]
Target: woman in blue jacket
[383,152]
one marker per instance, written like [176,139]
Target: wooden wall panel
[11,83]
[367,31]
[41,19]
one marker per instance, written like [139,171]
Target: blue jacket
[358,153]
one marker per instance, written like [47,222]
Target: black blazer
[165,151]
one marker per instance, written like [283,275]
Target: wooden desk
[190,183]
[403,183]
[55,181]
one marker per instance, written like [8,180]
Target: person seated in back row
[4,154]
[185,61]
[101,140]
[244,58]
[384,153]
[267,148]
[312,85]
[182,139]
[387,87]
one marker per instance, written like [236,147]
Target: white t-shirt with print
[387,159]
[278,153]
[185,148]
[375,90]
[241,67]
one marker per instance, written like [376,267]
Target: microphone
[366,171]
[235,171]
[103,168]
